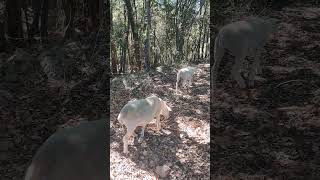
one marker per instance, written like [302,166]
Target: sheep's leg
[158,123]
[142,133]
[184,84]
[177,83]
[190,81]
[237,67]
[125,139]
[189,84]
[177,87]
[258,61]
[218,54]
[254,68]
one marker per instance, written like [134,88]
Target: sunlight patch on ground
[187,96]
[123,168]
[195,128]
[204,98]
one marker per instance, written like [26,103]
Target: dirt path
[183,144]
[273,130]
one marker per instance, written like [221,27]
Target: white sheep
[242,38]
[185,75]
[141,112]
[72,153]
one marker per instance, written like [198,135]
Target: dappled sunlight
[204,98]
[194,128]
[123,168]
[182,145]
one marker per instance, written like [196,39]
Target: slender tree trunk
[156,60]
[130,53]
[134,33]
[105,52]
[25,9]
[3,42]
[93,7]
[147,41]
[69,11]
[125,45]
[40,8]
[101,15]
[207,43]
[177,31]
[135,10]
[203,40]
[204,30]
[36,6]
[198,48]
[14,22]
[113,58]
[44,21]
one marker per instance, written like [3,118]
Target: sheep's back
[136,112]
[251,33]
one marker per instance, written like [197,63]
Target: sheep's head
[165,109]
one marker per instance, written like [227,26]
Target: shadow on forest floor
[273,130]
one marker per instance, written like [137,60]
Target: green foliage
[175,27]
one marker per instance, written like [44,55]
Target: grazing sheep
[72,153]
[141,112]
[185,75]
[242,38]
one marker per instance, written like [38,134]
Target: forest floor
[272,131]
[181,150]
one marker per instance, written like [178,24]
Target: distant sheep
[242,38]
[185,76]
[141,112]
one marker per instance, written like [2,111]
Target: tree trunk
[204,40]
[113,58]
[135,10]
[177,30]
[14,22]
[93,8]
[36,7]
[101,15]
[130,54]
[207,43]
[204,30]
[2,37]
[198,48]
[147,41]
[125,46]
[155,56]
[105,52]
[134,33]
[44,21]
[69,11]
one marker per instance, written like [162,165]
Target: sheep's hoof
[259,71]
[251,83]
[242,86]
[140,139]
